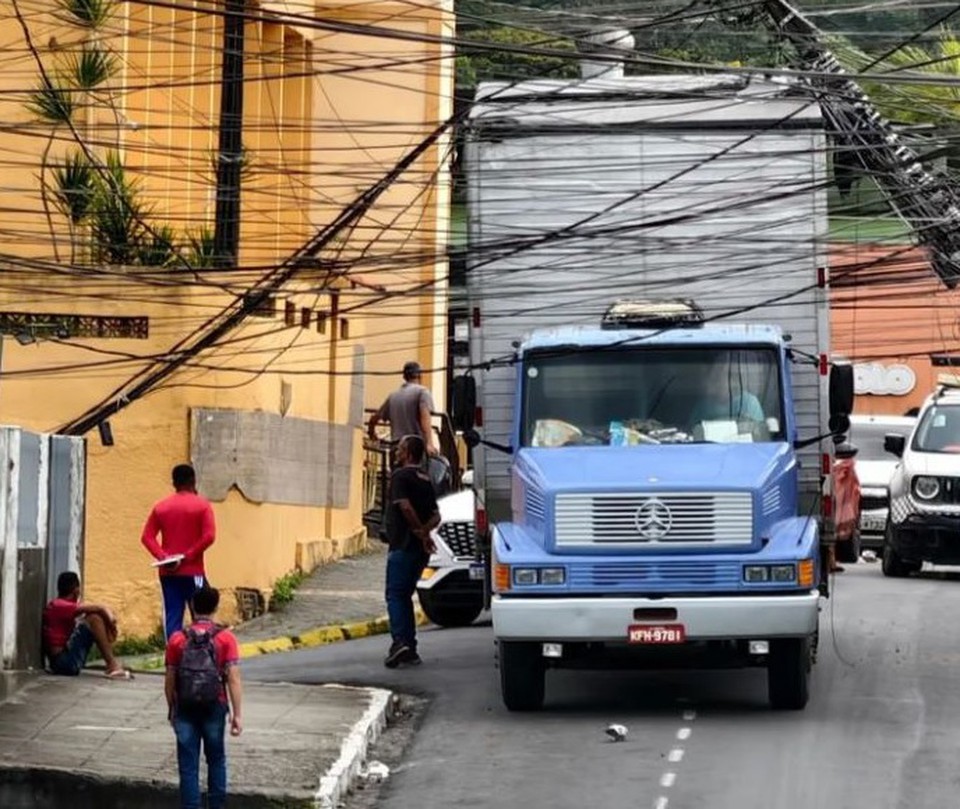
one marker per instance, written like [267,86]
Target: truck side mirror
[895,444]
[841,390]
[463,402]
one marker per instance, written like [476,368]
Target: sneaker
[411,658]
[397,654]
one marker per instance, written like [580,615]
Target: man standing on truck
[407,410]
[412,514]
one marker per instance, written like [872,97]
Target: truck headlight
[756,573]
[524,575]
[926,488]
[783,573]
[553,575]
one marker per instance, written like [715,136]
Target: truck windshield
[939,430]
[652,395]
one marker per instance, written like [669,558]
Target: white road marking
[668,779]
[675,755]
[683,734]
[689,716]
[661,803]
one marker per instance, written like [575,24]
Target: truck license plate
[476,572]
[656,633]
[874,525]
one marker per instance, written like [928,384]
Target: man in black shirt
[412,514]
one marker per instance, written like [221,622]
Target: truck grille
[460,538]
[663,518]
[639,576]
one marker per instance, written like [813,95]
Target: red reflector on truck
[481,521]
[827,506]
[478,416]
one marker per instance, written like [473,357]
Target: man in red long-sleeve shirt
[184,520]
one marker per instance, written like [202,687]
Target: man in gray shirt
[407,410]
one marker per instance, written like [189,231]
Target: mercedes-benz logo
[653,519]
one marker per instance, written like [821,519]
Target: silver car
[875,466]
[924,519]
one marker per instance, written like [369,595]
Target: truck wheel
[849,551]
[788,673]
[522,676]
[449,615]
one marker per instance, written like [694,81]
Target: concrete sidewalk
[89,742]
[338,601]
[346,592]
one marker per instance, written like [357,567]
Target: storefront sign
[877,379]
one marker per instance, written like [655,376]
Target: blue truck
[656,411]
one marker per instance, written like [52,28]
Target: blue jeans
[177,592]
[191,731]
[73,658]
[403,573]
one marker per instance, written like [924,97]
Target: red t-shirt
[185,522]
[59,619]
[224,645]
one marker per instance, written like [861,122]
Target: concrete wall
[34,548]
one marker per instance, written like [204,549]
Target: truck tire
[448,615]
[788,673]
[522,675]
[849,551]
[892,564]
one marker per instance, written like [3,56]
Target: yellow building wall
[306,139]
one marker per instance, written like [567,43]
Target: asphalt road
[882,729]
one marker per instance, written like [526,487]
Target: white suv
[924,521]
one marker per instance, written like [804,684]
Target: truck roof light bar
[652,314]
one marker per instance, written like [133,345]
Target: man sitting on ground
[70,630]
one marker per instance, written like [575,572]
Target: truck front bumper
[582,618]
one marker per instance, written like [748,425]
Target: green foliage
[75,185]
[135,645]
[88,13]
[284,589]
[506,54]
[200,249]
[52,102]
[116,216]
[157,248]
[91,67]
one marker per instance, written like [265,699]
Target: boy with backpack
[203,687]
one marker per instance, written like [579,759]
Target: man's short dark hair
[414,446]
[412,370]
[206,600]
[183,475]
[67,582]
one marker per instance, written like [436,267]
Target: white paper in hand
[170,560]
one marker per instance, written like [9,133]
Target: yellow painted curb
[323,635]
[318,636]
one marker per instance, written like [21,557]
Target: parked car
[924,519]
[875,466]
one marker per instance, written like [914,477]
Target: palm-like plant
[88,13]
[201,252]
[52,102]
[75,186]
[91,67]
[117,215]
[157,248]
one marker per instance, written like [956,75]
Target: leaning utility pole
[226,234]
[925,198]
